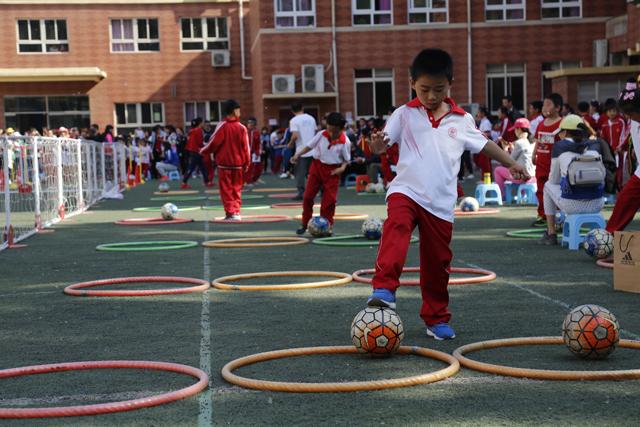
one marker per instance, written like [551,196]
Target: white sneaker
[470,176]
[284,175]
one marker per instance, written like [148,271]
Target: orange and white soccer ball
[377,331]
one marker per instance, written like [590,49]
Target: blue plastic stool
[350,180]
[174,175]
[509,188]
[572,225]
[483,194]
[527,194]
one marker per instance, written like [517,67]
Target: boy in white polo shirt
[331,155]
[432,132]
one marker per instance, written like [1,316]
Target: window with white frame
[134,35]
[374,91]
[505,79]
[372,12]
[42,36]
[504,10]
[25,112]
[594,89]
[206,110]
[204,33]
[295,13]
[145,114]
[428,11]
[551,9]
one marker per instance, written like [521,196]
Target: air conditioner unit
[220,58]
[313,78]
[600,53]
[283,83]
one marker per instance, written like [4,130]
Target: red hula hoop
[152,221]
[78,289]
[289,205]
[481,211]
[485,276]
[605,264]
[252,219]
[104,408]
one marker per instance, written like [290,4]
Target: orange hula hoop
[484,276]
[78,289]
[152,221]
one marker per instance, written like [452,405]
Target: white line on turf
[563,304]
[205,416]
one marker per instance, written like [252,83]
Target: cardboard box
[626,261]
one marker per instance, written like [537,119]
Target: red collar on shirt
[227,119]
[341,139]
[415,103]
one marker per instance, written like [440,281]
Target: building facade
[142,63]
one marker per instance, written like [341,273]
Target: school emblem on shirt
[453,132]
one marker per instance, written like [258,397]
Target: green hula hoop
[339,241]
[180,209]
[534,233]
[146,246]
[243,207]
[384,193]
[178,199]
[244,197]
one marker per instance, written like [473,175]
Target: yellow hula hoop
[343,216]
[255,242]
[176,193]
[341,279]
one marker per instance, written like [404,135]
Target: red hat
[520,123]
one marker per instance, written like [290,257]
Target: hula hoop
[338,241]
[483,276]
[178,199]
[253,219]
[77,289]
[244,197]
[292,387]
[154,209]
[290,205]
[604,263]
[104,408]
[152,221]
[364,193]
[343,216]
[541,374]
[255,242]
[146,246]
[282,195]
[271,190]
[342,279]
[244,207]
[176,193]
[533,233]
[481,211]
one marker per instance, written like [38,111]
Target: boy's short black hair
[556,98]
[508,98]
[335,119]
[296,107]
[583,107]
[537,105]
[610,104]
[432,62]
[196,122]
[629,99]
[228,106]
[484,110]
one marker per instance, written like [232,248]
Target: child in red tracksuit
[432,133]
[331,156]
[229,145]
[255,145]
[613,130]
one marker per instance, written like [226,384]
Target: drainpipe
[335,53]
[241,19]
[469,56]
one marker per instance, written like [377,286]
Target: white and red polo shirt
[635,137]
[430,152]
[330,152]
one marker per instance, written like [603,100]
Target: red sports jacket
[229,145]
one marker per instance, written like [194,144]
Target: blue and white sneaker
[441,331]
[382,298]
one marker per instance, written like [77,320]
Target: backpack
[586,171]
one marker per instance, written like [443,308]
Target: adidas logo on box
[627,259]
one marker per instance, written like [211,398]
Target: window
[504,10]
[553,9]
[42,36]
[588,90]
[295,13]
[374,91]
[146,114]
[371,12]
[428,11]
[25,112]
[204,34]
[553,66]
[134,35]
[505,79]
[207,110]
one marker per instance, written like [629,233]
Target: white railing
[44,180]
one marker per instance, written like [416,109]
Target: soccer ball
[168,211]
[379,187]
[377,331]
[559,222]
[319,227]
[163,187]
[598,243]
[370,188]
[469,204]
[591,331]
[372,228]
